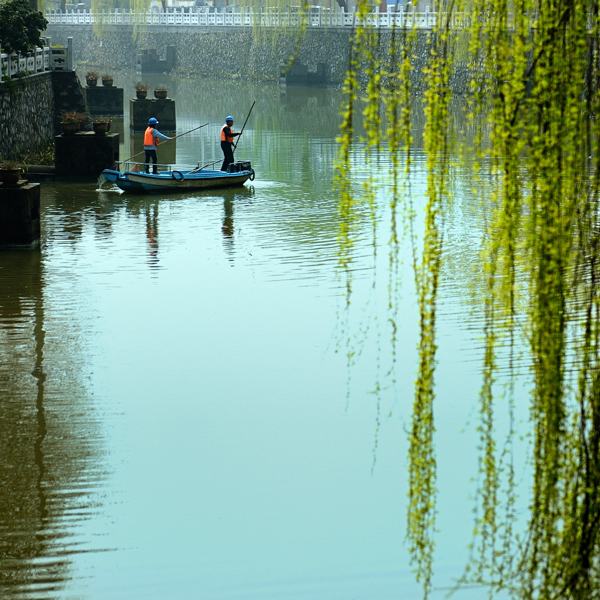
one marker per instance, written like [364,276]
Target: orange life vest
[225,138]
[149,139]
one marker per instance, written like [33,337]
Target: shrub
[72,117]
[20,26]
[9,164]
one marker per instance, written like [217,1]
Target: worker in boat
[151,137]
[227,136]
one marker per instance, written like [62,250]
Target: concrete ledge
[39,172]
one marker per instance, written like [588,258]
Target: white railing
[266,17]
[46,58]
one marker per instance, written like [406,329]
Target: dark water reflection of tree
[48,444]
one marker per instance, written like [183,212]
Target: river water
[179,419]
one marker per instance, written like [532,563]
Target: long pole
[242,131]
[174,138]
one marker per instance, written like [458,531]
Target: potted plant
[141,90]
[91,78]
[101,125]
[107,80]
[160,91]
[10,172]
[71,121]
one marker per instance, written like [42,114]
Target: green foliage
[139,7]
[43,155]
[20,26]
[384,87]
[533,104]
[9,164]
[72,117]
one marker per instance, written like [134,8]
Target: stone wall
[30,109]
[26,114]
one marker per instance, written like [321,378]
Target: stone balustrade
[46,58]
[245,17]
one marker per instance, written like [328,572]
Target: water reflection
[228,227]
[46,469]
[152,234]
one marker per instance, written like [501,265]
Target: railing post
[69,54]
[46,57]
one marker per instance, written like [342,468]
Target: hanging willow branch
[533,99]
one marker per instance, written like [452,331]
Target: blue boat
[172,180]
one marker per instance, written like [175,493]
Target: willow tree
[139,7]
[533,101]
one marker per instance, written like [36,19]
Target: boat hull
[176,181]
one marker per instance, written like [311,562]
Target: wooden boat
[180,180]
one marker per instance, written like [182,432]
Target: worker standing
[151,137]
[227,136]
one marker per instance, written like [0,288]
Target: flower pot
[107,82]
[10,176]
[101,127]
[141,94]
[70,128]
[160,94]
[91,82]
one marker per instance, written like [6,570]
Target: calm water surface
[178,417]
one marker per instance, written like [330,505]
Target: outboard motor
[237,167]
